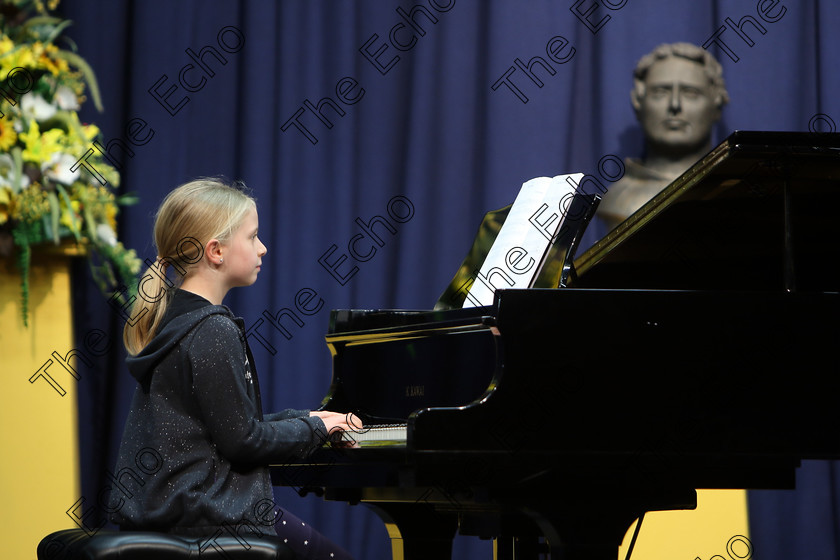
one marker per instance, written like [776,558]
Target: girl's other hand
[339,421]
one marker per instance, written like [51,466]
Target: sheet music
[519,252]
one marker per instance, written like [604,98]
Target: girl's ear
[213,251]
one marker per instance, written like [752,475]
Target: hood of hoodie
[185,311]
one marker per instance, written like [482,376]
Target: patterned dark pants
[307,543]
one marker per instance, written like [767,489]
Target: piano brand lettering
[148,462]
[739,547]
[400,209]
[192,77]
[763,9]
[415,390]
[403,36]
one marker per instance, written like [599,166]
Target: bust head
[678,92]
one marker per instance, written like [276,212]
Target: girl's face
[243,253]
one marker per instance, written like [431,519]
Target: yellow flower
[6,44]
[79,138]
[5,204]
[40,147]
[31,204]
[91,131]
[70,216]
[111,215]
[99,201]
[8,136]
[49,61]
[51,5]
[22,56]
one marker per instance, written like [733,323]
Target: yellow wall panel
[39,470]
[700,533]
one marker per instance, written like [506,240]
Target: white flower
[6,164]
[58,168]
[7,173]
[36,107]
[106,235]
[66,99]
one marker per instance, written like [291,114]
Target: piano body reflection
[693,347]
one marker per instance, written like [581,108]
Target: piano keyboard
[378,433]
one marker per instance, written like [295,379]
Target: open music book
[519,252]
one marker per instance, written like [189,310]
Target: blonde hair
[189,217]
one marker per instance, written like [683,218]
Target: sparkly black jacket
[196,444]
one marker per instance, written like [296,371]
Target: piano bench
[76,544]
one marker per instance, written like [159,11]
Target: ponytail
[147,312]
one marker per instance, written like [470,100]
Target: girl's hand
[339,421]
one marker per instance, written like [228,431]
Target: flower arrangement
[46,196]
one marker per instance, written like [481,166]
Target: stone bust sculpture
[678,93]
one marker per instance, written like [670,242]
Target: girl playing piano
[196,427]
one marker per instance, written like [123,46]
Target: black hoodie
[196,445]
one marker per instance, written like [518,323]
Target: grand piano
[695,346]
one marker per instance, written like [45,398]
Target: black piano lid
[756,213]
[351,320]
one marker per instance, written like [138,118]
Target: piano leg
[417,532]
[583,539]
[516,548]
[516,538]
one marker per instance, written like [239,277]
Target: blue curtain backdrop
[407,110]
